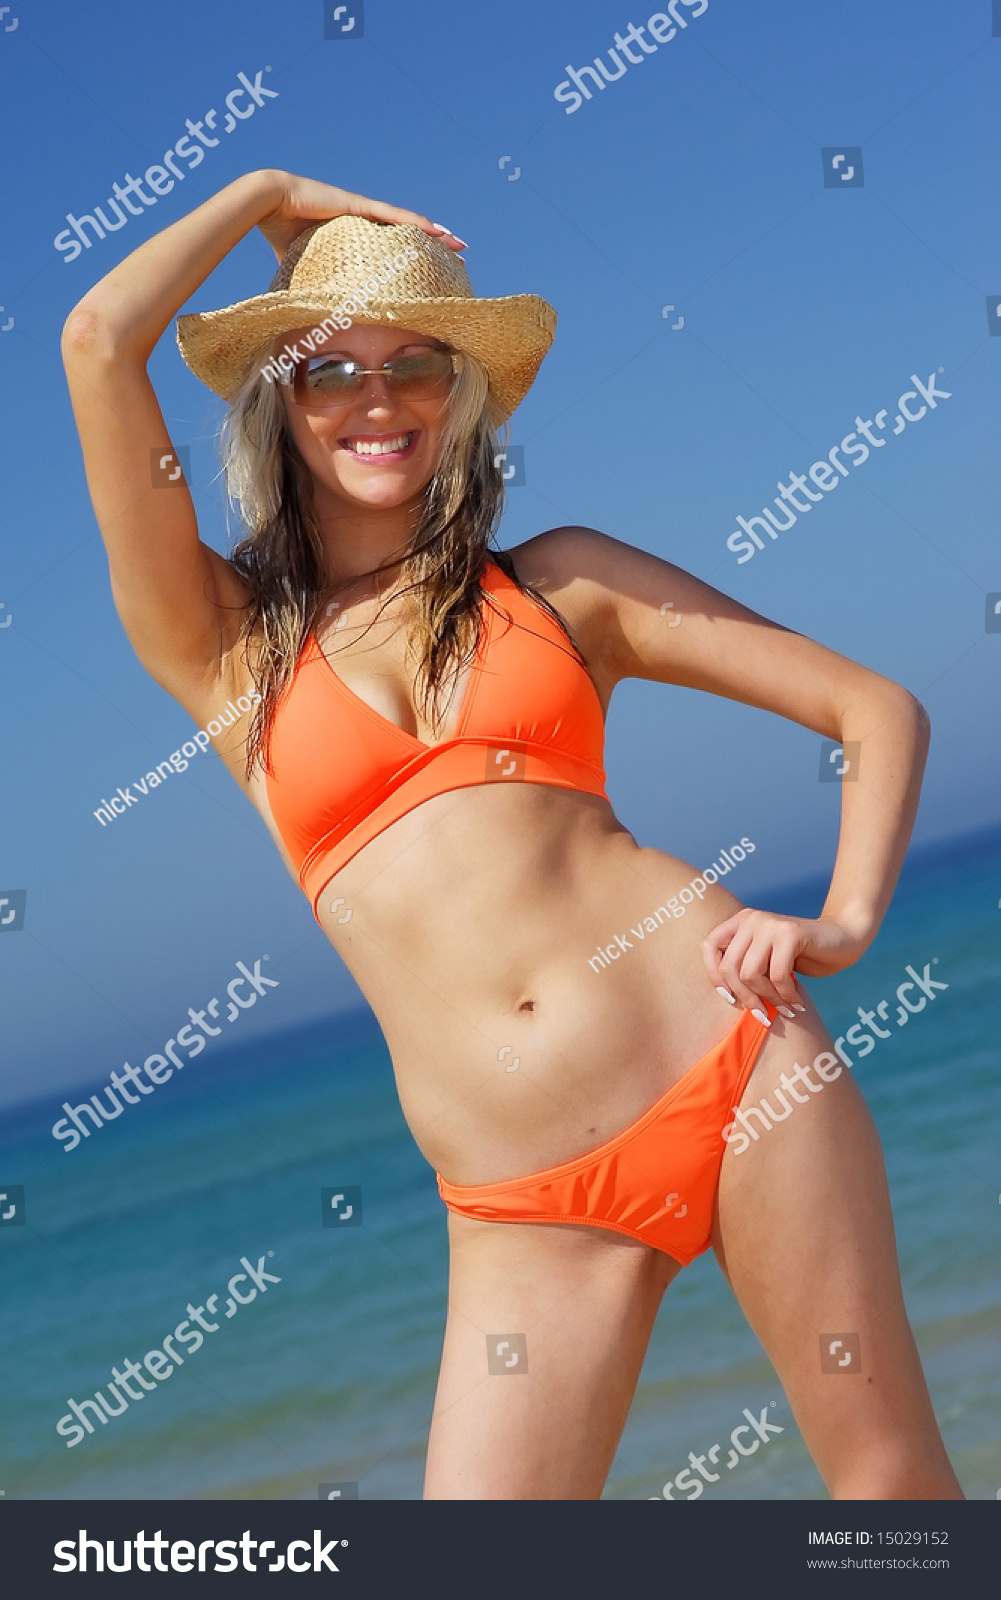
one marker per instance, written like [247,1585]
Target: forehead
[367,344]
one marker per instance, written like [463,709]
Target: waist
[471,928]
[459,764]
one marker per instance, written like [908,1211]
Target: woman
[427,755]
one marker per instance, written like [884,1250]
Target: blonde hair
[281,558]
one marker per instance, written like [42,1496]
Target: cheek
[432,415]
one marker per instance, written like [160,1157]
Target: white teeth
[379,447]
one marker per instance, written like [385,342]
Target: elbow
[923,720]
[87,337]
[911,713]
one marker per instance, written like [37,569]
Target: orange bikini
[655,1181]
[342,774]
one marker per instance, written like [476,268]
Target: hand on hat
[305,200]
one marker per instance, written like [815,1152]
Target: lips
[376,448]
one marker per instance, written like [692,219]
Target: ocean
[323,1372]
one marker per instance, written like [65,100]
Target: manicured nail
[787,1011]
[799,1008]
[727,996]
[762,1017]
[439,227]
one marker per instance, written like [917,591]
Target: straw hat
[410,280]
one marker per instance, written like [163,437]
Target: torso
[472,922]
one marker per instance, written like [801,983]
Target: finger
[713,946]
[780,971]
[754,972]
[381,211]
[731,966]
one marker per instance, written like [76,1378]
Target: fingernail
[727,996]
[799,1008]
[787,1011]
[439,227]
[761,1016]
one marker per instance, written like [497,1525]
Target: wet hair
[280,560]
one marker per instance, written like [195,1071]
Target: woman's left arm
[636,616]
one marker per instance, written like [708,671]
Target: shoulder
[563,557]
[592,579]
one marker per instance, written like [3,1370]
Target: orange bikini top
[342,772]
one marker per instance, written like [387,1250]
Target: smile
[382,447]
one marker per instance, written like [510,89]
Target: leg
[804,1233]
[585,1298]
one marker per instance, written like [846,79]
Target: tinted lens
[409,377]
[412,376]
[332,378]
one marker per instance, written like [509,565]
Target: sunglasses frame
[303,396]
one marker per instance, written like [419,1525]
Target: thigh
[573,1308]
[804,1233]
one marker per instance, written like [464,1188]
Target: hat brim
[510,334]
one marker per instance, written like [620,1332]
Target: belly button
[527,1005]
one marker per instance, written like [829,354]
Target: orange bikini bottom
[657,1179]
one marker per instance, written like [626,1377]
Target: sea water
[328,1376]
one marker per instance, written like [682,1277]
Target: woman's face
[332,439]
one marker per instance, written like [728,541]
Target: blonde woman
[427,754]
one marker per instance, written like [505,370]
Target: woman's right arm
[179,601]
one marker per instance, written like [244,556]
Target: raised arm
[639,617]
[179,601]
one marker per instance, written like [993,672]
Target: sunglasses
[321,381]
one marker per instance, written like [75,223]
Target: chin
[384,496]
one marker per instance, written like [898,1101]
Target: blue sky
[695,180]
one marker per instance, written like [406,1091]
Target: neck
[357,540]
